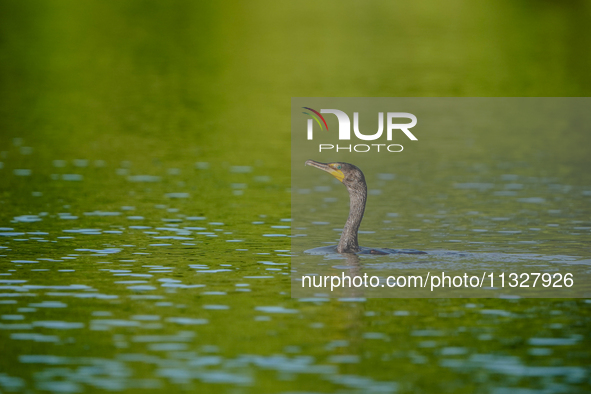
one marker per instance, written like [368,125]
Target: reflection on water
[144,197]
[110,304]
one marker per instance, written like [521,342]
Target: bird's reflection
[353,266]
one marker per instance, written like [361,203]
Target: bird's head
[346,173]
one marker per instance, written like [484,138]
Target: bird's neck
[357,197]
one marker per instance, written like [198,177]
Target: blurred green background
[120,76]
[152,85]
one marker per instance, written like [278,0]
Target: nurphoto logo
[345,130]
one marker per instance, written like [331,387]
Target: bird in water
[352,177]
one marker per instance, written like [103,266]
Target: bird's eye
[339,167]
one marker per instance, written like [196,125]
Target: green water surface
[145,196]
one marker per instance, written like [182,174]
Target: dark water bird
[352,177]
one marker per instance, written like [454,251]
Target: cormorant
[352,177]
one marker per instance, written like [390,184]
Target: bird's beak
[325,167]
